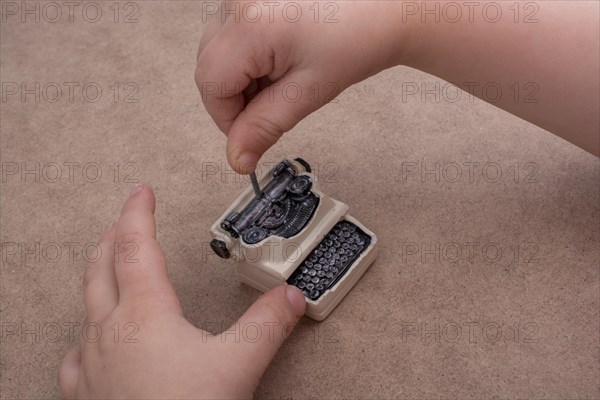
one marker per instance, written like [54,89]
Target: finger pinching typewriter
[291,232]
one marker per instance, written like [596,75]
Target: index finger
[140,265]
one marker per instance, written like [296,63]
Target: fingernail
[296,299]
[247,161]
[135,189]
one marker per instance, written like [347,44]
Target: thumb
[266,325]
[275,110]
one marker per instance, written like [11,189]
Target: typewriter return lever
[255,185]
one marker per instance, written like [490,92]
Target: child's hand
[137,343]
[259,79]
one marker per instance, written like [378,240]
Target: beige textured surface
[377,342]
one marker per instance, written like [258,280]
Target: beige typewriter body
[272,261]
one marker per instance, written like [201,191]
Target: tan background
[377,343]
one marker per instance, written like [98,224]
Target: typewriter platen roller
[291,232]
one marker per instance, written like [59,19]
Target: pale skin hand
[172,358]
[169,357]
[318,57]
[559,54]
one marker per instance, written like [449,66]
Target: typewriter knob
[300,185]
[226,225]
[278,169]
[220,248]
[254,235]
[282,166]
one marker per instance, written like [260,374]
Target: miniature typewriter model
[291,232]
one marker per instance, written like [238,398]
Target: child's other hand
[138,344]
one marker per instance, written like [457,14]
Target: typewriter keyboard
[330,260]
